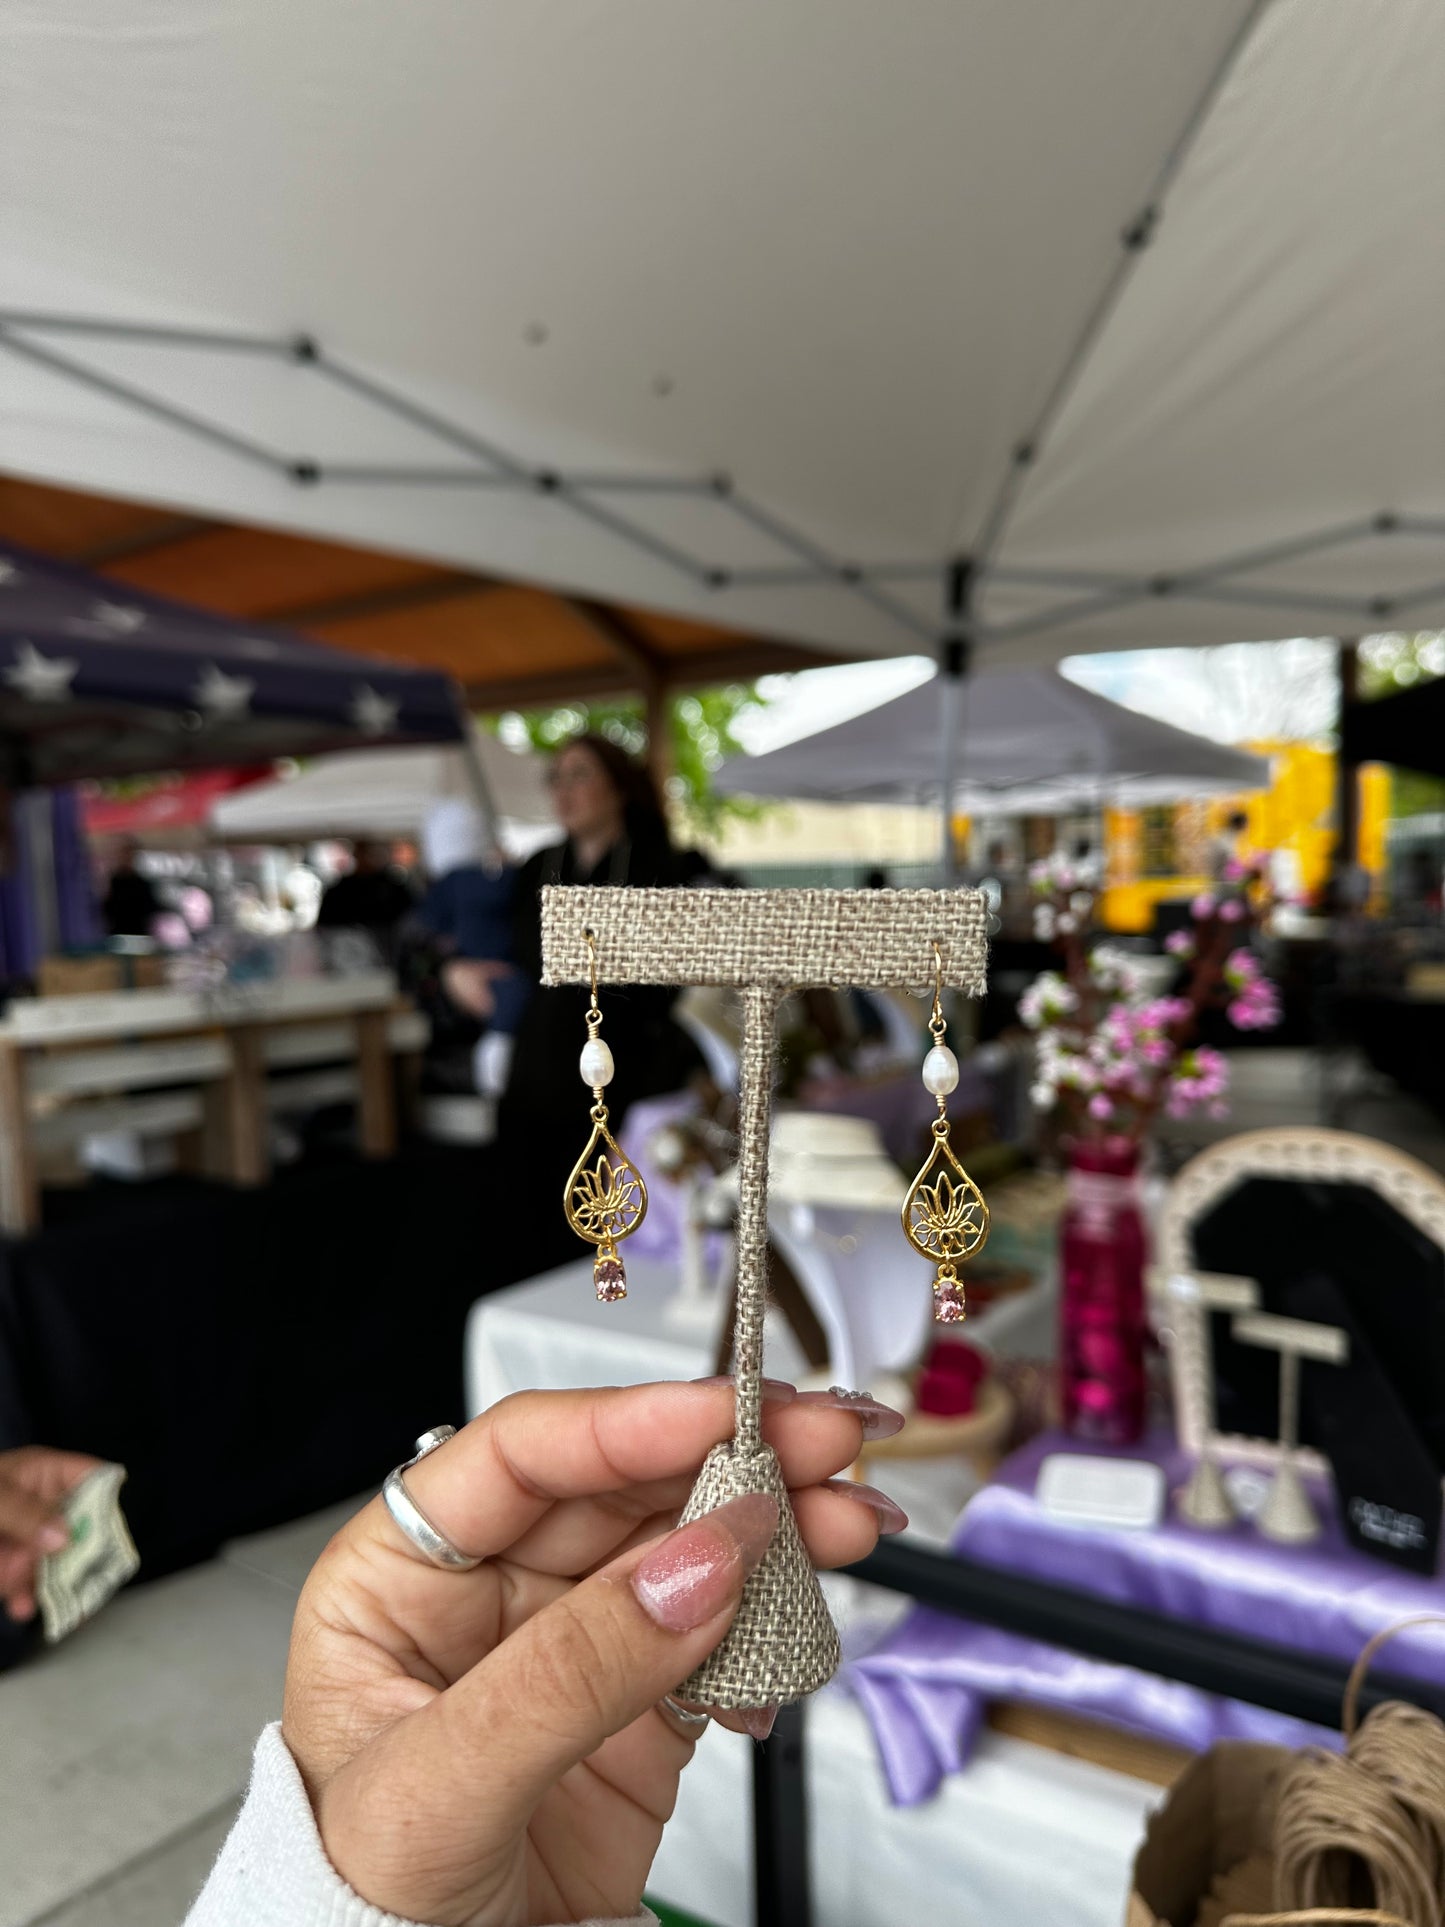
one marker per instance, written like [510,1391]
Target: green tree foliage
[1392,663]
[700,723]
[1389,664]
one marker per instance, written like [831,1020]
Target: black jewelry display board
[1340,1253]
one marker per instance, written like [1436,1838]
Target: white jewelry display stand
[1287,1514]
[764,943]
[1205,1501]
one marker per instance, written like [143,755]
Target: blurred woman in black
[616,834]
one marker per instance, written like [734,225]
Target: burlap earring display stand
[783,1644]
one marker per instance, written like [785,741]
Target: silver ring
[409,1517]
[687,1724]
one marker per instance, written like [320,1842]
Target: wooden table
[72,1066]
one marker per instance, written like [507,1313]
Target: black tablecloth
[250,1356]
[1403,1037]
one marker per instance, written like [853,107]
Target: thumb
[30,1521]
[596,1659]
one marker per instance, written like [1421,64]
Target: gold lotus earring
[945,1221]
[605,1199]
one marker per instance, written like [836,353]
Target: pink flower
[1203,906]
[1241,967]
[1165,1011]
[1235,871]
[1179,943]
[1156,1050]
[1253,1013]
[1101,1107]
[1231,910]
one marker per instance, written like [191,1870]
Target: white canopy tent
[1049,326]
[388,793]
[1029,740]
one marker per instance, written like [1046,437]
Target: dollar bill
[73,1584]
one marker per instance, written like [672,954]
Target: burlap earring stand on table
[783,1644]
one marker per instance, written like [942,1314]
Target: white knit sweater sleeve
[273,1870]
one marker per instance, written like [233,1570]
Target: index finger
[486,1487]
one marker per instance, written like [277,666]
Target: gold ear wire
[593,1011]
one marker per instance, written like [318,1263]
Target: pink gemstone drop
[610,1279]
[948,1305]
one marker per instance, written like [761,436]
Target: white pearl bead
[940,1071]
[596,1064]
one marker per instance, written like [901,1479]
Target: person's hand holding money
[489,1747]
[34,1483]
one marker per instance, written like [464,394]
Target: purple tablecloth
[925,1686]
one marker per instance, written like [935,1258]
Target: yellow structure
[1158,855]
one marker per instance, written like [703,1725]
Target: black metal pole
[955,649]
[781,1891]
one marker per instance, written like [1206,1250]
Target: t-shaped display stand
[764,943]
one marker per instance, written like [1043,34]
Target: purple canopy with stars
[97,679]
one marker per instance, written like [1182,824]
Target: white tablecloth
[1024,1836]
[551,1334]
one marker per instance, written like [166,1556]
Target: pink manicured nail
[698,1570]
[891,1517]
[52,1538]
[879,1421]
[776,1391]
[758,1721]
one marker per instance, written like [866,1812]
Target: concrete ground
[125,1752]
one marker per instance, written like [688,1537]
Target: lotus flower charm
[945,1220]
[605,1200]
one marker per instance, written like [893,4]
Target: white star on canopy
[222,698]
[41,679]
[118,616]
[373,712]
[8,571]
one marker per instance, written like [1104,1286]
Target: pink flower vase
[1101,1267]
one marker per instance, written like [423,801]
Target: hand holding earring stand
[782,1644]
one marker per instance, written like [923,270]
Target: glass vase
[1103,1330]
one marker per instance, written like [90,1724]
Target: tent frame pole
[954,653]
[1344,863]
[476,775]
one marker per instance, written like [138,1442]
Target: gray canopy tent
[1022,739]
